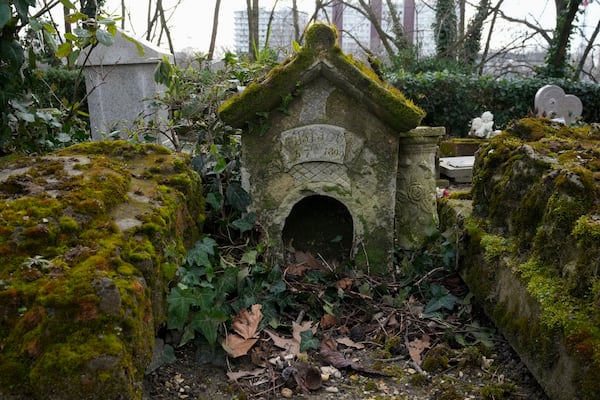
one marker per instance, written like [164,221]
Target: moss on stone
[81,298]
[531,253]
[321,57]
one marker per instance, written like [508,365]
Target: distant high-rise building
[282,30]
[416,16]
[357,32]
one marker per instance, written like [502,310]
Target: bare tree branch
[587,50]
[538,29]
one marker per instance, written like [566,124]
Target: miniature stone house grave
[333,159]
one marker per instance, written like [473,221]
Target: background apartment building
[357,33]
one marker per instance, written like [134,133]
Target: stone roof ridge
[322,57]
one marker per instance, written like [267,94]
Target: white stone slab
[459,169]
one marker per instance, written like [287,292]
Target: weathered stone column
[416,210]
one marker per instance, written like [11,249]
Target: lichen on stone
[321,57]
[81,298]
[532,249]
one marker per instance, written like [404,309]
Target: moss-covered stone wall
[89,238]
[531,250]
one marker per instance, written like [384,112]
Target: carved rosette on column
[416,211]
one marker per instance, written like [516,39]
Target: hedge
[453,100]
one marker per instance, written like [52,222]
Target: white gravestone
[119,82]
[552,102]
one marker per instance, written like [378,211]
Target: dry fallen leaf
[237,346]
[289,345]
[344,283]
[245,325]
[292,346]
[329,353]
[307,259]
[416,347]
[234,376]
[346,341]
[297,329]
[328,321]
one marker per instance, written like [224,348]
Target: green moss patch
[82,282]
[321,57]
[532,249]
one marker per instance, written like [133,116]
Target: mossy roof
[322,57]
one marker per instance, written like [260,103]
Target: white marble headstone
[552,102]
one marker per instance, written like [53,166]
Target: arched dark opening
[319,225]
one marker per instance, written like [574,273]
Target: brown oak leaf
[245,325]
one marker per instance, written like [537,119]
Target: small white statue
[483,127]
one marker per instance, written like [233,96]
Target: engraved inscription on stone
[313,143]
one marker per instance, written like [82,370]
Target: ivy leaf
[179,300]
[199,258]
[12,52]
[441,299]
[308,341]
[277,287]
[104,37]
[213,199]
[207,245]
[249,257]
[22,7]
[25,116]
[163,72]
[73,18]
[205,298]
[207,322]
[244,224]
[200,254]
[5,13]
[227,282]
[237,196]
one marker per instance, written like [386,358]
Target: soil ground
[505,377]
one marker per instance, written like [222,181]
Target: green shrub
[452,100]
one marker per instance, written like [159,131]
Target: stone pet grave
[119,81]
[85,269]
[552,102]
[529,250]
[333,158]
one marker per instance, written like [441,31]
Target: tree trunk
[471,43]
[399,37]
[556,60]
[213,36]
[164,27]
[67,23]
[253,13]
[445,29]
[296,19]
[586,52]
[123,11]
[368,11]
[495,11]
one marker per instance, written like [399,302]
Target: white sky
[191,21]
